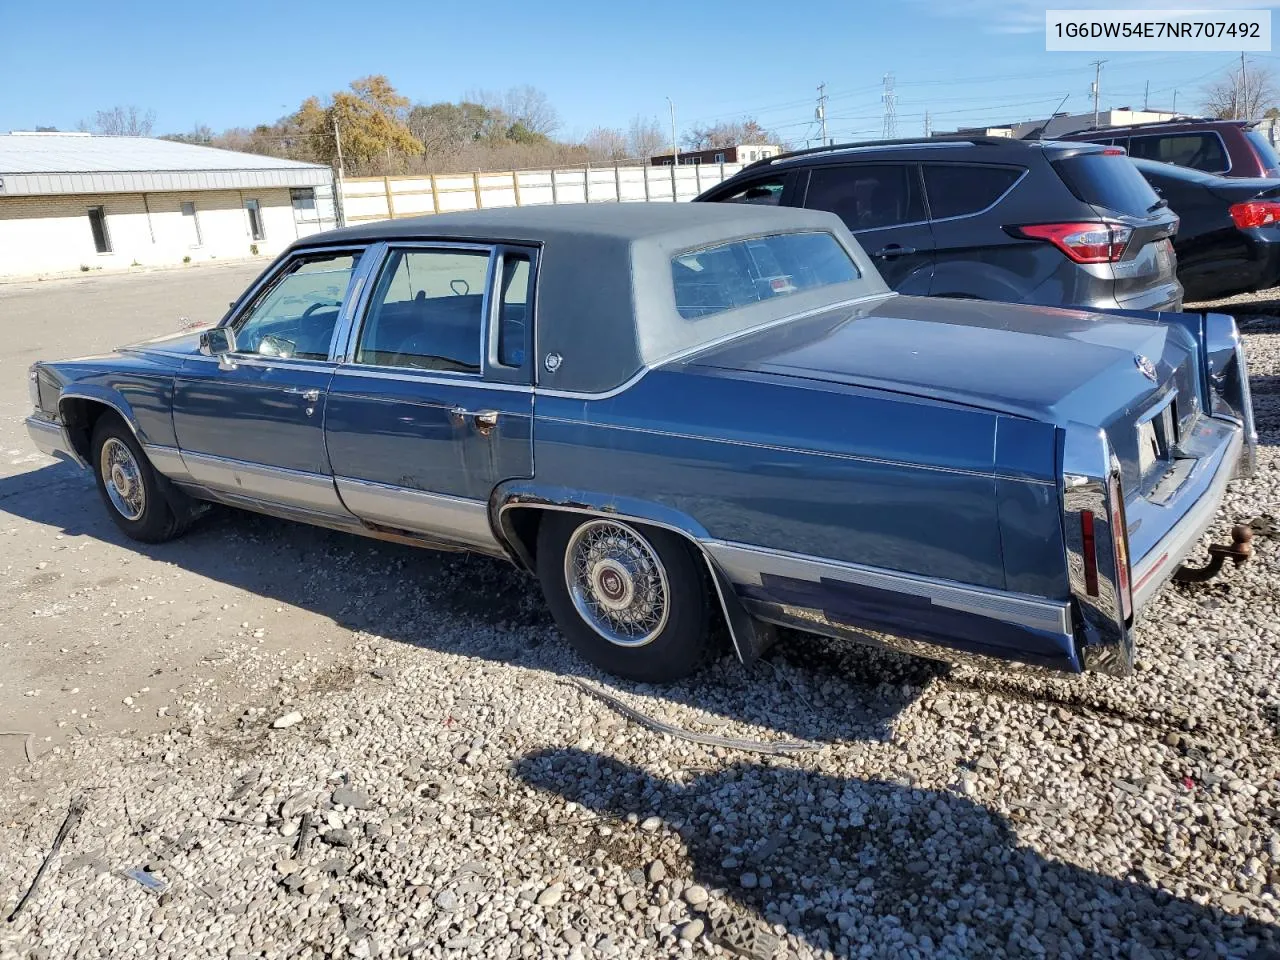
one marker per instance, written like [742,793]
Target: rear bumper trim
[1159,563]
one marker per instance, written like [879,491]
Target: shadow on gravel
[475,606]
[857,863]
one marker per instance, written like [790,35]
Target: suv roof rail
[1164,123]
[903,142]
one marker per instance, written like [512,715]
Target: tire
[670,639]
[129,486]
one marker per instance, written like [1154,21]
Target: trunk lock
[1238,550]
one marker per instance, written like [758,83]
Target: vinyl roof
[59,163]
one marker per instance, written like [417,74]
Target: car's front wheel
[632,600]
[129,485]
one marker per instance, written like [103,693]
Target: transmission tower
[890,130]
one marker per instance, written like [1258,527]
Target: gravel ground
[428,778]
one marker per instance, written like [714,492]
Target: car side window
[867,195]
[766,193]
[427,311]
[513,309]
[295,315]
[1200,151]
[955,190]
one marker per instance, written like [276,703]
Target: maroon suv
[1229,148]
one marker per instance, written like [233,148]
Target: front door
[432,406]
[883,205]
[251,424]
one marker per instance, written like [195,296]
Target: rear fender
[513,500]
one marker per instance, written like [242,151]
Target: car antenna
[1038,132]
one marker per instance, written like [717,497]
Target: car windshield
[713,279]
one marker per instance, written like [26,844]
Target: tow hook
[1239,550]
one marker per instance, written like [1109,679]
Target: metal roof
[60,163]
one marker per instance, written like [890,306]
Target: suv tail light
[1119,547]
[1255,213]
[1083,242]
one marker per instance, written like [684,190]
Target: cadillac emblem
[552,362]
[1146,366]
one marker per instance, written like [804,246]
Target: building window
[765,153]
[666,163]
[719,158]
[751,155]
[98,224]
[304,203]
[255,220]
[695,159]
[189,216]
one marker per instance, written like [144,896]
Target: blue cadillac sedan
[673,414]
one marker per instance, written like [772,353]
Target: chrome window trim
[747,564]
[435,377]
[360,312]
[256,360]
[542,418]
[708,345]
[1088,465]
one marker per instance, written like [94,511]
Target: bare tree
[729,135]
[645,137]
[123,122]
[605,143]
[1227,98]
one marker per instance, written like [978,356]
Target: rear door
[883,204]
[1144,273]
[431,406]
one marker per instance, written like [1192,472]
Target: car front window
[296,315]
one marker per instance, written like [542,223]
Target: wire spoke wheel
[122,478]
[617,583]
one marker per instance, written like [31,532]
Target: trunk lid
[1042,363]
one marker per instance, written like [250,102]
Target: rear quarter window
[713,279]
[1265,151]
[955,190]
[1107,180]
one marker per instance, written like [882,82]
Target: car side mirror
[217,341]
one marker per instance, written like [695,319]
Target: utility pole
[1175,101]
[821,113]
[1097,88]
[928,127]
[890,128]
[339,205]
[1244,90]
[675,150]
[337,139]
[1146,96]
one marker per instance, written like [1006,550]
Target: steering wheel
[316,306]
[466,287]
[409,353]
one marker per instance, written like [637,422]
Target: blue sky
[236,63]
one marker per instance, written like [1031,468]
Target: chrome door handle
[484,420]
[311,396]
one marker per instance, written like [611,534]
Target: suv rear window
[1107,180]
[711,280]
[955,190]
[1200,151]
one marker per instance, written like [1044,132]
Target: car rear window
[955,190]
[1107,180]
[1266,152]
[713,279]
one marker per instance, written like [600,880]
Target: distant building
[742,153]
[1063,123]
[73,201]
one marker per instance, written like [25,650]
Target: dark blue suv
[987,218]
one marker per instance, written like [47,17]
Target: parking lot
[459,793]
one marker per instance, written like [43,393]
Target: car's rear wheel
[632,600]
[129,485]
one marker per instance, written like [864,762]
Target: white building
[76,202]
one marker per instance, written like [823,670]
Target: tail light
[1083,242]
[1255,213]
[1119,548]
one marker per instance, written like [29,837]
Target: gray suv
[1070,224]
